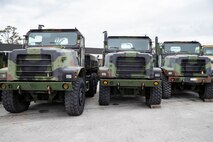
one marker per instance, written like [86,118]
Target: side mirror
[105,38]
[25,39]
[201,52]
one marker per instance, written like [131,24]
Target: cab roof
[55,30]
[181,42]
[145,37]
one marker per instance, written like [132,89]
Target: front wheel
[154,96]
[166,88]
[104,95]
[75,99]
[206,92]
[14,102]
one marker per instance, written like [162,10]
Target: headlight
[157,74]
[68,76]
[170,73]
[3,75]
[103,74]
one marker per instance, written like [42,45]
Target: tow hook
[118,85]
[142,86]
[182,82]
[203,82]
[49,90]
[19,89]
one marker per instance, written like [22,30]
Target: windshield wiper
[183,52]
[170,52]
[114,47]
[52,42]
[37,43]
[177,52]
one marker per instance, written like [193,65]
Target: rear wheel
[104,95]
[206,92]
[92,86]
[154,96]
[75,99]
[14,102]
[166,88]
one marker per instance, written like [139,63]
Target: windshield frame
[53,32]
[129,38]
[181,42]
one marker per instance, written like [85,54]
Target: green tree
[10,36]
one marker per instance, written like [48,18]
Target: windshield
[192,48]
[208,51]
[129,44]
[52,38]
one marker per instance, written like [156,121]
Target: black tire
[206,92]
[154,96]
[92,86]
[166,88]
[14,102]
[104,95]
[74,100]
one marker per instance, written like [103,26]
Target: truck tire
[14,102]
[92,86]
[166,88]
[74,100]
[207,92]
[104,95]
[154,96]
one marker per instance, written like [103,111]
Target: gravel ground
[183,118]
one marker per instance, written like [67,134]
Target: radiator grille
[33,65]
[130,65]
[190,67]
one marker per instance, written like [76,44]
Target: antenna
[40,27]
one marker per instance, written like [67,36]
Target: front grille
[190,66]
[130,65]
[32,65]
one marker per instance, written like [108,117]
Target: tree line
[9,35]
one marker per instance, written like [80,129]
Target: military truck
[208,51]
[51,67]
[184,68]
[128,69]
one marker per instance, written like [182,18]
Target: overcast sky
[167,19]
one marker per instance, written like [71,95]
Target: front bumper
[36,86]
[195,80]
[130,82]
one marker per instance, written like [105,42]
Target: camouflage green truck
[128,69]
[51,67]
[184,68]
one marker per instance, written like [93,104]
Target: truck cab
[184,68]
[128,69]
[51,67]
